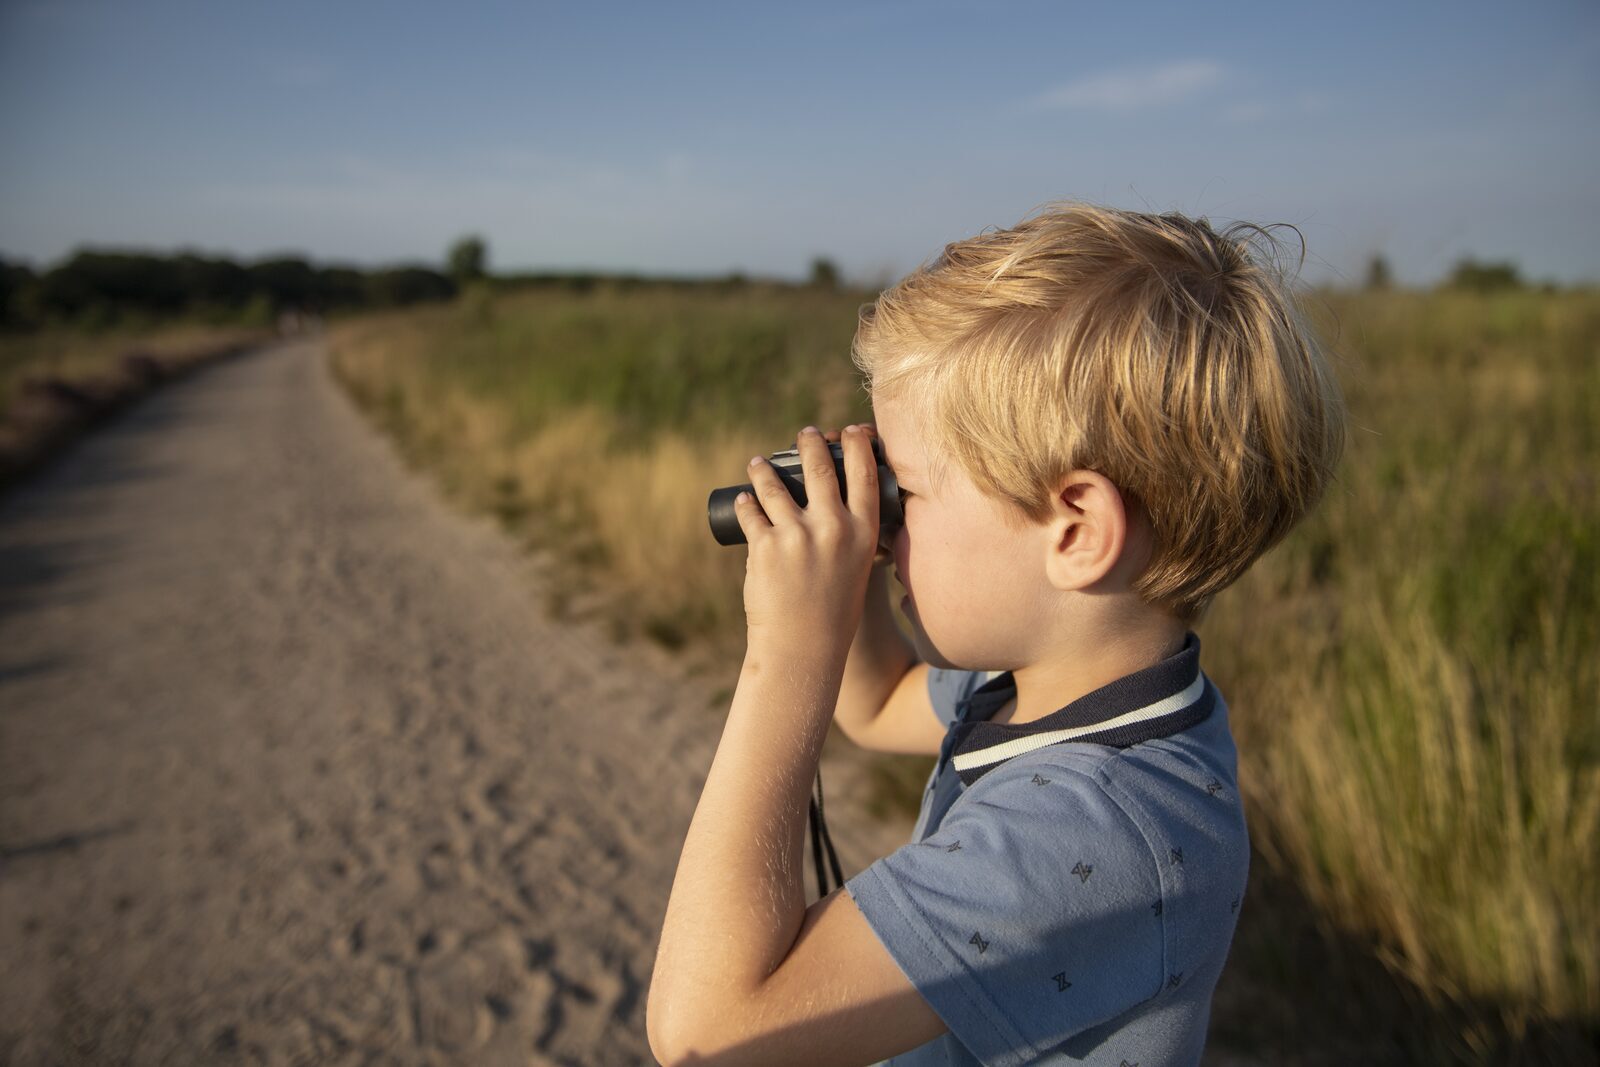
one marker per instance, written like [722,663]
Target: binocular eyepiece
[725,523]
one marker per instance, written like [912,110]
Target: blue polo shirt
[1072,884]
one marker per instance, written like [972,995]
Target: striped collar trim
[1155,702]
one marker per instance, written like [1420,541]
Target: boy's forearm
[879,657]
[738,900]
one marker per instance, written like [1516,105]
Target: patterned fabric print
[1074,903]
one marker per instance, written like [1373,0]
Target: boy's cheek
[900,552]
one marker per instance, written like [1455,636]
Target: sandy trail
[294,768]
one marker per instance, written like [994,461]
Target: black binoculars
[725,523]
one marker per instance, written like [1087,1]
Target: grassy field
[1412,674]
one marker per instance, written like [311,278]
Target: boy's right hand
[884,554]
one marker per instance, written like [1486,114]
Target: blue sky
[704,138]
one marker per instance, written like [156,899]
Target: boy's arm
[879,658]
[745,972]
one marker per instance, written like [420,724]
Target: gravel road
[294,768]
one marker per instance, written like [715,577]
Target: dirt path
[294,769]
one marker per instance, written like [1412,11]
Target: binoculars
[725,523]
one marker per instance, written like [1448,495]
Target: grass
[75,355]
[1414,669]
[1411,675]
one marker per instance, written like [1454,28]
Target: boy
[1098,420]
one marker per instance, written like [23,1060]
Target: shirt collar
[1155,702]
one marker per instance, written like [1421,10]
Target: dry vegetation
[72,355]
[57,381]
[1412,674]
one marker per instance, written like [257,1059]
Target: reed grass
[1412,674]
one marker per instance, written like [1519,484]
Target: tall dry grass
[1412,674]
[1415,669]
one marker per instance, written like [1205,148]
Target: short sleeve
[948,688]
[1032,914]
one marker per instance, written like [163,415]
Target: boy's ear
[1089,530]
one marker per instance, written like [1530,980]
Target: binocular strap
[819,836]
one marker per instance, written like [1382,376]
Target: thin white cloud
[1130,88]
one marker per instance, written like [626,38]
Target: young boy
[1098,419]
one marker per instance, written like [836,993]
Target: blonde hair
[1148,348]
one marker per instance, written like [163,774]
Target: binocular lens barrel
[725,523]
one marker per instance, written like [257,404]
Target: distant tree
[1484,277]
[824,275]
[468,259]
[341,287]
[1378,276]
[18,293]
[216,283]
[408,285]
[288,281]
[106,284]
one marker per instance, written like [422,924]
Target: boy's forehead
[899,439]
[903,455]
[897,449]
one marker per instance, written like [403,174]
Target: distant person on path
[1098,419]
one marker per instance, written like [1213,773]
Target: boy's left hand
[807,569]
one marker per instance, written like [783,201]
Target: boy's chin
[927,652]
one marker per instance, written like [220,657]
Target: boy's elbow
[655,1028]
[671,1037]
[659,1021]
[661,1051]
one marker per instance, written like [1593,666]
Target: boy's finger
[752,520]
[861,474]
[834,435]
[816,467]
[771,493]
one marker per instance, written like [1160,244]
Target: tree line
[103,287]
[1468,274]
[95,287]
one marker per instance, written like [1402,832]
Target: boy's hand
[807,568]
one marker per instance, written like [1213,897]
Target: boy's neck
[1045,687]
